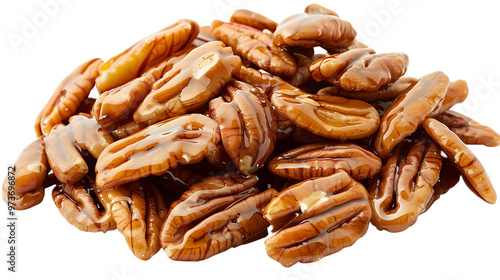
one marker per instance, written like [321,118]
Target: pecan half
[311,30]
[64,143]
[257,47]
[323,159]
[138,209]
[144,54]
[190,83]
[316,218]
[360,69]
[473,172]
[405,185]
[318,9]
[70,93]
[469,131]
[154,150]
[26,199]
[253,19]
[457,93]
[409,110]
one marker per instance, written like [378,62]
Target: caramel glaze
[316,218]
[409,110]
[253,19]
[465,161]
[323,159]
[190,83]
[457,93]
[31,167]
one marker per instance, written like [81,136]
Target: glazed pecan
[323,159]
[316,218]
[360,69]
[457,93]
[302,75]
[190,83]
[311,30]
[248,127]
[26,199]
[154,150]
[144,54]
[257,47]
[204,36]
[473,172]
[469,131]
[405,184]
[409,110]
[286,127]
[127,129]
[70,93]
[64,143]
[253,19]
[318,9]
[138,209]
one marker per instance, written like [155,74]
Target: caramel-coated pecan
[360,69]
[138,209]
[405,184]
[70,93]
[323,159]
[127,129]
[253,19]
[318,9]
[469,131]
[190,83]
[257,47]
[154,150]
[457,93]
[311,30]
[473,172]
[64,143]
[26,199]
[316,218]
[409,110]
[144,54]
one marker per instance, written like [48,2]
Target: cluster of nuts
[203,137]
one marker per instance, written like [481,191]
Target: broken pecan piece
[457,93]
[253,19]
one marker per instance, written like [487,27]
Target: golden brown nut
[144,54]
[70,93]
[360,69]
[28,199]
[311,30]
[248,127]
[190,84]
[323,159]
[257,47]
[154,150]
[469,131]
[138,209]
[316,218]
[127,129]
[473,172]
[253,19]
[405,184]
[409,110]
[457,93]
[318,9]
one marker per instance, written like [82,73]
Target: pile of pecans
[203,137]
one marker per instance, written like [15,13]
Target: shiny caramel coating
[154,150]
[311,30]
[316,218]
[457,93]
[318,9]
[127,129]
[257,47]
[190,84]
[134,61]
[253,19]
[409,110]
[138,209]
[323,159]
[67,97]
[473,172]
[404,187]
[360,69]
[469,131]
[64,143]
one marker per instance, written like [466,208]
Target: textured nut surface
[316,218]
[144,54]
[154,150]
[190,83]
[253,19]
[457,93]
[67,97]
[127,129]
[360,69]
[405,184]
[257,47]
[318,9]
[473,172]
[311,30]
[302,75]
[323,159]
[409,110]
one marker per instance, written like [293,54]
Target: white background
[458,238]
